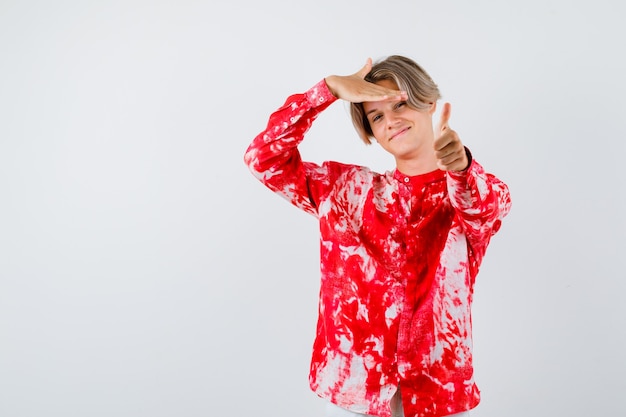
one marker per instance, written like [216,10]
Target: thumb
[366,68]
[445,116]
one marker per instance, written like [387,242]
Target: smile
[399,133]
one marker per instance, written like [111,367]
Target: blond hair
[409,76]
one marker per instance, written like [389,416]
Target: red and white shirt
[399,257]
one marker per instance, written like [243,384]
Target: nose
[392,120]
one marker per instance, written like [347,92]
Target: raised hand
[449,149]
[355,89]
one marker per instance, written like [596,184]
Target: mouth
[398,133]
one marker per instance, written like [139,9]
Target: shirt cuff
[320,94]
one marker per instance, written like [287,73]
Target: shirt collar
[426,178]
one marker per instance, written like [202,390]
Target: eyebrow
[374,110]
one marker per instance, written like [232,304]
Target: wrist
[330,83]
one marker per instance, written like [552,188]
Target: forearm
[277,144]
[273,156]
[480,199]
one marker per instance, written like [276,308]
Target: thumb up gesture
[449,149]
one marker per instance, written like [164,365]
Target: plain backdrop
[145,272]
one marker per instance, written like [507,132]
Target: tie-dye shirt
[399,257]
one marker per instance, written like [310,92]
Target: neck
[417,166]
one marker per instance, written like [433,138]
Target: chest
[405,212]
[392,221]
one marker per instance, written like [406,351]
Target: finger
[444,141]
[450,158]
[393,95]
[458,164]
[442,147]
[375,92]
[445,116]
[447,143]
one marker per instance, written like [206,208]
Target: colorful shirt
[399,257]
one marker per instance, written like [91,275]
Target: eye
[400,104]
[376,118]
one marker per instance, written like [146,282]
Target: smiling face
[401,130]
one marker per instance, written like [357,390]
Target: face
[404,132]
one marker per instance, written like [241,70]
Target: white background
[145,272]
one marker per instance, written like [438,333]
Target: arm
[480,199]
[273,155]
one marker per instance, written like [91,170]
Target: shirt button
[406,179]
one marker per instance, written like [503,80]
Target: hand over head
[355,89]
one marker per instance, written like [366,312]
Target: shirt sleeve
[273,156]
[481,201]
